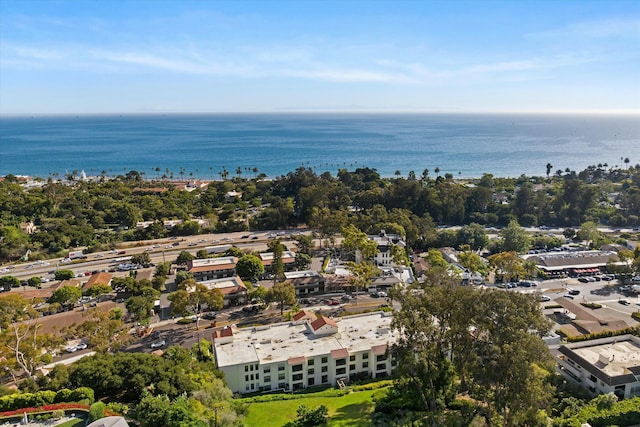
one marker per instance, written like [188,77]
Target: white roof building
[294,355]
[605,365]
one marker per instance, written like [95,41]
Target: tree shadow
[354,415]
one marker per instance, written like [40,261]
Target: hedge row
[636,315]
[45,397]
[635,330]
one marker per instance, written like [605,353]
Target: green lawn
[350,410]
[78,422]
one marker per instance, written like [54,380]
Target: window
[311,381]
[267,370]
[381,357]
[352,367]
[325,379]
[311,371]
[251,377]
[246,368]
[280,377]
[324,359]
[297,377]
[365,365]
[365,356]
[251,368]
[296,368]
[257,376]
[592,378]
[324,369]
[246,378]
[267,379]
[246,387]
[256,366]
[341,362]
[282,385]
[281,367]
[310,362]
[341,371]
[352,358]
[253,386]
[381,366]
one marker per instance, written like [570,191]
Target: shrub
[82,393]
[96,411]
[591,305]
[636,315]
[185,321]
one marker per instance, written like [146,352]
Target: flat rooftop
[282,341]
[621,356]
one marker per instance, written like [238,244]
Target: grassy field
[73,423]
[350,410]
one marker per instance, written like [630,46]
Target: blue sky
[75,57]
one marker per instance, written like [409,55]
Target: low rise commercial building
[212,268]
[288,260]
[605,365]
[306,282]
[304,353]
[232,288]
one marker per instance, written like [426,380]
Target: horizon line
[337,111]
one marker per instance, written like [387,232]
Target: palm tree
[549,167]
[397,174]
[437,171]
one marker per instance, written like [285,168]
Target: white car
[544,298]
[158,344]
[81,346]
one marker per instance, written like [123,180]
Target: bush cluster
[45,397]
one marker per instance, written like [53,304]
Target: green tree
[141,306]
[473,235]
[21,343]
[191,296]
[35,282]
[304,243]
[98,289]
[184,257]
[589,232]
[507,265]
[64,274]
[277,265]
[163,269]
[515,238]
[8,282]
[307,417]
[303,261]
[472,261]
[249,267]
[142,258]
[283,294]
[66,295]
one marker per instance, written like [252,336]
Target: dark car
[209,315]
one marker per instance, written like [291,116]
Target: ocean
[204,145]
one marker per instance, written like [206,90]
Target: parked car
[209,315]
[624,302]
[81,346]
[333,302]
[544,298]
[573,291]
[155,335]
[158,344]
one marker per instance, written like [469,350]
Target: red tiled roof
[232,290]
[379,349]
[98,279]
[321,321]
[339,353]
[302,313]
[224,332]
[36,293]
[297,360]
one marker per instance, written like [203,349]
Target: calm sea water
[203,145]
